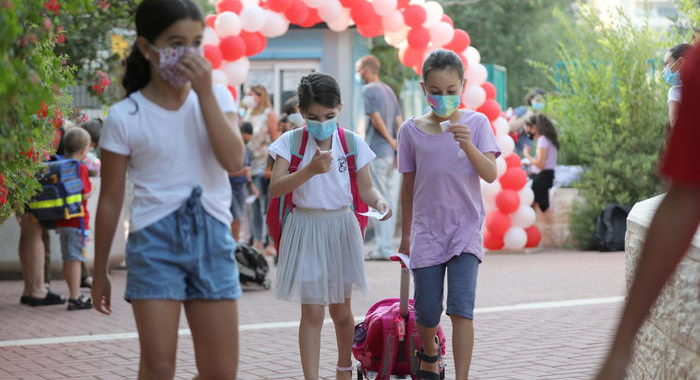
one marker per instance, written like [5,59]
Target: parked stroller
[386,341]
[252,266]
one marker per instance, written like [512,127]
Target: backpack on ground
[61,194]
[252,266]
[280,207]
[611,227]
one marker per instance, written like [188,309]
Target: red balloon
[414,15]
[348,3]
[513,179]
[402,4]
[253,42]
[232,47]
[229,5]
[508,201]
[418,69]
[534,236]
[279,6]
[210,20]
[418,38]
[513,161]
[447,19]
[263,43]
[372,28]
[362,12]
[233,92]
[493,242]
[491,109]
[498,223]
[412,57]
[490,90]
[460,41]
[297,12]
[312,19]
[213,54]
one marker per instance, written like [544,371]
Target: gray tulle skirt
[321,257]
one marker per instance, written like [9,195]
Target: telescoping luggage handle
[405,282]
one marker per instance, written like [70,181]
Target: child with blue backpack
[442,208]
[321,247]
[175,135]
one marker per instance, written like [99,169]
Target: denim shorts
[186,255]
[72,243]
[237,201]
[429,285]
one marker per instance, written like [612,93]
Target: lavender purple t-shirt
[448,212]
[550,163]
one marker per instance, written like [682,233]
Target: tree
[511,34]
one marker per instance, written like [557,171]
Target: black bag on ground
[611,227]
[252,266]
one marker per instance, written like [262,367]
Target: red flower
[60,37]
[48,25]
[53,6]
[97,89]
[43,111]
[57,122]
[104,5]
[3,190]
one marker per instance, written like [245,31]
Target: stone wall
[668,345]
[554,224]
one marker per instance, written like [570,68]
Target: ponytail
[138,72]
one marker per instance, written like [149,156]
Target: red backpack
[280,207]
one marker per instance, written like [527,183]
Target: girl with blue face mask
[672,75]
[321,248]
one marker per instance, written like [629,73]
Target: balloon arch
[240,29]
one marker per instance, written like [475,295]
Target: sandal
[51,298]
[345,369]
[80,303]
[422,357]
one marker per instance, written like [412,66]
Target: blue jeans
[259,208]
[186,255]
[429,285]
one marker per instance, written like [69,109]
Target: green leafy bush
[611,113]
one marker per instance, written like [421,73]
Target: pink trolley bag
[386,341]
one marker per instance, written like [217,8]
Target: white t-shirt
[674,94]
[327,191]
[169,154]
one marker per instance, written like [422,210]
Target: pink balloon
[384,7]
[393,21]
[473,97]
[441,34]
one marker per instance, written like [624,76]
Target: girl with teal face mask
[442,209]
[321,247]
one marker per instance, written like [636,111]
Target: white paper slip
[373,213]
[250,199]
[445,125]
[405,259]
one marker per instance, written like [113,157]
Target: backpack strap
[349,142]
[297,147]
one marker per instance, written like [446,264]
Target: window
[281,78]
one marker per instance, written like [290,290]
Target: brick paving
[543,343]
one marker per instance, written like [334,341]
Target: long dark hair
[545,128]
[318,88]
[678,51]
[152,18]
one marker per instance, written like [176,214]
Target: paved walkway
[547,315]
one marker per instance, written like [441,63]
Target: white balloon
[248,3]
[384,7]
[313,3]
[396,38]
[434,14]
[236,71]
[472,55]
[218,76]
[489,191]
[393,21]
[341,22]
[330,10]
[524,217]
[501,166]
[476,74]
[474,96]
[527,196]
[252,18]
[502,126]
[418,2]
[209,37]
[515,238]
[275,24]
[441,33]
[227,24]
[506,143]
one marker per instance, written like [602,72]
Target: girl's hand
[405,246]
[198,70]
[383,207]
[321,162]
[102,293]
[462,135]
